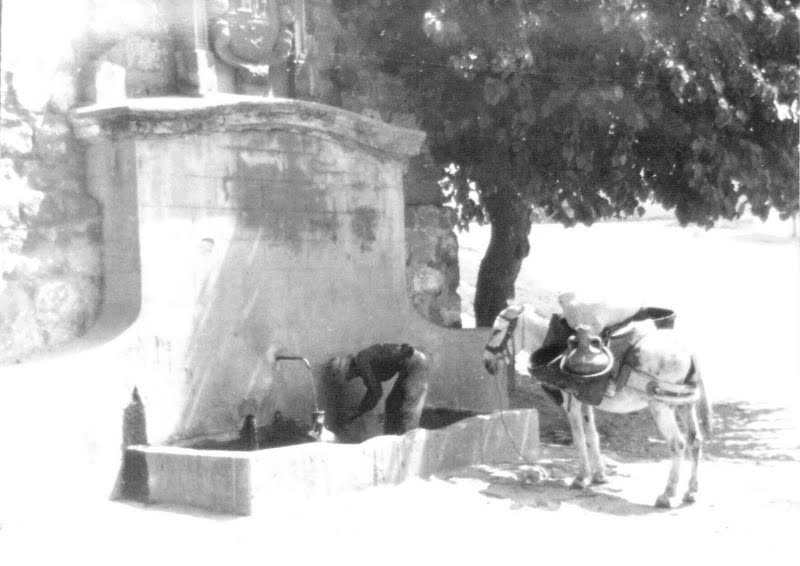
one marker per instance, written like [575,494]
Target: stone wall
[432,270]
[349,77]
[50,271]
[131,51]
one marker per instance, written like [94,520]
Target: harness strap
[512,325]
[495,349]
[676,393]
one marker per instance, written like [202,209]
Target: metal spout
[279,357]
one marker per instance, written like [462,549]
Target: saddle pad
[597,312]
[589,390]
[555,342]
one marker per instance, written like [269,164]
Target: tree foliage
[589,108]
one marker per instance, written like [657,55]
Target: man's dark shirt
[376,364]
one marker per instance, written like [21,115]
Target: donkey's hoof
[579,483]
[663,502]
[599,478]
[689,498]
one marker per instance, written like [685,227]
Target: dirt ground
[736,291]
[748,510]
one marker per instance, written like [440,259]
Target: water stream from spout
[305,361]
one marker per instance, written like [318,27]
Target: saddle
[592,368]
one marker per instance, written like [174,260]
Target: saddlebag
[545,363]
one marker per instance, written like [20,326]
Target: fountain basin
[246,483]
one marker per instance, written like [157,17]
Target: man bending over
[379,363]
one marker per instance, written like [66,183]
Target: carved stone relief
[259,40]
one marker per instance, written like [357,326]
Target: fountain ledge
[246,483]
[179,116]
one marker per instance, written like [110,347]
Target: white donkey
[662,365]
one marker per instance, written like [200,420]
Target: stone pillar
[134,473]
[194,61]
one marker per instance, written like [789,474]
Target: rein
[507,349]
[509,352]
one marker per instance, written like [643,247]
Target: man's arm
[373,385]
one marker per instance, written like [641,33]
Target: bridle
[503,347]
[508,351]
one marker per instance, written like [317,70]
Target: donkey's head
[497,347]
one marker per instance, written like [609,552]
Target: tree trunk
[511,224]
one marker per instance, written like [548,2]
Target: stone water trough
[247,482]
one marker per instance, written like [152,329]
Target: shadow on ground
[744,430]
[741,430]
[636,457]
[546,486]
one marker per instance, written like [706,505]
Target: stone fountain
[239,225]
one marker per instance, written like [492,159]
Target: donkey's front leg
[574,414]
[668,427]
[593,440]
